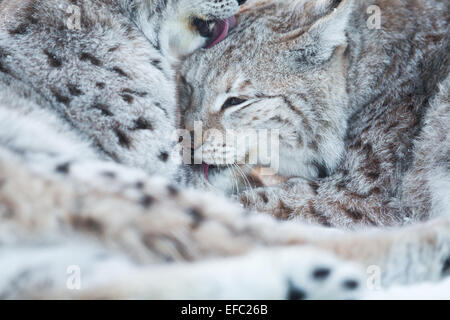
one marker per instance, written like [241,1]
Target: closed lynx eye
[232,102]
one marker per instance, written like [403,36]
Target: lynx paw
[267,274]
[313,274]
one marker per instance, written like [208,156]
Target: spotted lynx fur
[87,179]
[363,126]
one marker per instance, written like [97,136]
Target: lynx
[363,113]
[91,204]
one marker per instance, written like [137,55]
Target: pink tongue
[205,171]
[221,30]
[232,22]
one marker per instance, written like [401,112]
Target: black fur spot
[124,140]
[350,284]
[139,185]
[295,293]
[129,30]
[146,201]
[63,168]
[157,63]
[264,198]
[109,174]
[134,92]
[20,30]
[163,156]
[314,146]
[151,240]
[114,48]
[74,90]
[4,53]
[3,69]
[373,175]
[368,149]
[142,124]
[61,98]
[89,57]
[196,215]
[354,214]
[87,223]
[8,212]
[103,108]
[53,60]
[320,216]
[31,19]
[341,185]
[314,186]
[156,45]
[321,273]
[446,266]
[100,85]
[120,72]
[127,98]
[173,191]
[322,171]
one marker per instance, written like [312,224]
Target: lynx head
[283,67]
[179,27]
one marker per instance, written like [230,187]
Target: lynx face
[282,68]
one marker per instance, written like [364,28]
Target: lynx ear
[328,32]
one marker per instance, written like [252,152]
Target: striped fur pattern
[363,113]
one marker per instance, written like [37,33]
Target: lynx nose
[205,28]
